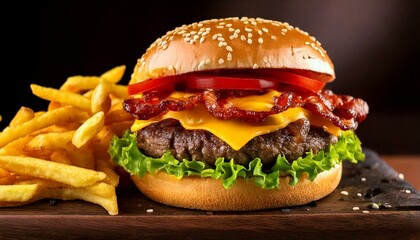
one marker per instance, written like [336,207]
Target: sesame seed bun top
[234,43]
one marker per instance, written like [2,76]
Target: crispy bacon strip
[342,110]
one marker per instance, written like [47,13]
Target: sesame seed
[265,59]
[187,39]
[365,211]
[387,205]
[374,206]
[214,36]
[359,194]
[229,25]
[221,61]
[344,193]
[249,35]
[171,68]
[284,30]
[149,210]
[260,40]
[220,44]
[202,39]
[273,37]
[220,27]
[208,61]
[229,48]
[249,41]
[363,179]
[220,39]
[407,191]
[259,32]
[356,208]
[231,29]
[265,30]
[201,65]
[243,38]
[255,66]
[248,29]
[229,57]
[401,176]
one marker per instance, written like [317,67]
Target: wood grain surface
[372,181]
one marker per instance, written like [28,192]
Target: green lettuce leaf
[125,153]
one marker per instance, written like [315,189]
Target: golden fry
[120,127]
[58,116]
[100,193]
[18,193]
[67,98]
[77,84]
[119,91]
[6,178]
[49,154]
[60,156]
[23,114]
[82,157]
[51,141]
[88,129]
[101,100]
[117,115]
[114,75]
[71,175]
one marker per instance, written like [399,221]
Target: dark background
[375,46]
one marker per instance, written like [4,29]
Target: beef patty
[293,141]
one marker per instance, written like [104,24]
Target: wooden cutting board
[372,181]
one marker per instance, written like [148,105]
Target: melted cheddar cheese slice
[234,132]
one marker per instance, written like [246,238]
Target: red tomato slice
[241,80]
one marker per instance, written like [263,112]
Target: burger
[232,115]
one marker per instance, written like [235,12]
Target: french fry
[117,115]
[81,157]
[120,127]
[56,116]
[22,115]
[88,129]
[119,91]
[78,84]
[6,178]
[54,141]
[61,156]
[54,105]
[51,141]
[71,175]
[67,98]
[114,75]
[101,100]
[101,193]
[15,147]
[17,193]
[62,153]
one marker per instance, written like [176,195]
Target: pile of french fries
[61,153]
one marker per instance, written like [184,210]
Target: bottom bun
[210,195]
